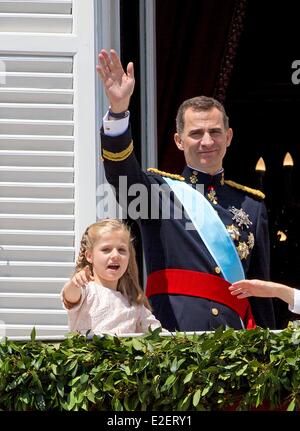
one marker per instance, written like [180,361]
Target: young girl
[104,295]
[245,288]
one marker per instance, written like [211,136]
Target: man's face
[204,140]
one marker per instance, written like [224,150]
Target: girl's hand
[82,278]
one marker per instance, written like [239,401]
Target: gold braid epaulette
[118,157]
[166,174]
[246,189]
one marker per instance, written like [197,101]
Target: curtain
[196,46]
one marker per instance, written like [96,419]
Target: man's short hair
[199,103]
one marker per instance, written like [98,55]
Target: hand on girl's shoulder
[83,277]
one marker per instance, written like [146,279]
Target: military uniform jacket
[170,247]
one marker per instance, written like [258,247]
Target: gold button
[214,311]
[217,270]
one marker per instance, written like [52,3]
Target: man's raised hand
[118,85]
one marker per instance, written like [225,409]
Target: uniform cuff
[115,127]
[116,148]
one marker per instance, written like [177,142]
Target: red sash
[202,285]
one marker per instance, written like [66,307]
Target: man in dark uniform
[187,286]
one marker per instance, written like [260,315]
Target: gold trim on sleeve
[118,157]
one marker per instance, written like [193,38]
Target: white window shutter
[47,156]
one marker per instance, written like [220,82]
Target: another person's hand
[245,288]
[118,85]
[82,278]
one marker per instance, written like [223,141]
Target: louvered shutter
[47,156]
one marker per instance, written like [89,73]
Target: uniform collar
[194,176]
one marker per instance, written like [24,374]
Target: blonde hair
[128,284]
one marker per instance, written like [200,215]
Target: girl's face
[109,257]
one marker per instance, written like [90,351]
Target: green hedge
[224,370]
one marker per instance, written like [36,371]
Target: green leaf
[33,334]
[36,380]
[143,394]
[206,389]
[196,397]
[54,368]
[131,403]
[116,404]
[74,381]
[21,365]
[91,396]
[71,401]
[188,377]
[25,398]
[15,383]
[84,406]
[37,364]
[137,344]
[242,370]
[170,381]
[184,404]
[60,388]
[71,365]
[127,370]
[174,366]
[213,370]
[83,379]
[292,361]
[94,389]
[291,406]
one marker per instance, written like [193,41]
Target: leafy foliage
[227,369]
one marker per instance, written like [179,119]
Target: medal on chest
[242,220]
[240,217]
[212,195]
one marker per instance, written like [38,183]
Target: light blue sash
[210,228]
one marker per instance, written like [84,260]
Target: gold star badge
[241,217]
[193,177]
[233,232]
[251,240]
[243,250]
[211,195]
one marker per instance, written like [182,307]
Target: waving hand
[118,84]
